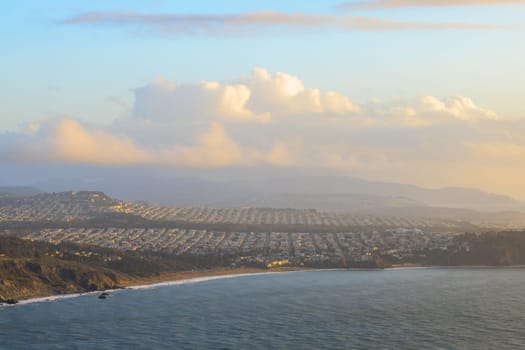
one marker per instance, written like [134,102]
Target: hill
[20,191]
[487,249]
[341,193]
[241,187]
[33,269]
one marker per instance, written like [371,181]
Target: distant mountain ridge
[256,187]
[20,190]
[323,193]
[454,197]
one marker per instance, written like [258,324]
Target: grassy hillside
[488,249]
[30,269]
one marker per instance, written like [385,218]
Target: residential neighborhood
[256,247]
[72,206]
[246,235]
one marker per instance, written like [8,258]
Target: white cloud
[214,148]
[426,111]
[163,100]
[276,120]
[283,94]
[68,141]
[257,98]
[458,107]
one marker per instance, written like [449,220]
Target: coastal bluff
[27,278]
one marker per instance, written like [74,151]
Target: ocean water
[384,309]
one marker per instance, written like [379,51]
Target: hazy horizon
[424,93]
[262,174]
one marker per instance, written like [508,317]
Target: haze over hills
[333,193]
[144,239]
[19,190]
[231,137]
[348,193]
[90,241]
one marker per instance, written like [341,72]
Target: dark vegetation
[29,269]
[489,249]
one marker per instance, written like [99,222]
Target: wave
[52,298]
[190,280]
[59,297]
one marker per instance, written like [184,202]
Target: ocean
[415,308]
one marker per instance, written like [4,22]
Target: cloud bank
[273,120]
[393,4]
[263,22]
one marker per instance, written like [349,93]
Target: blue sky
[426,87]
[71,70]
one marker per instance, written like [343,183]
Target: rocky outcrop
[23,278]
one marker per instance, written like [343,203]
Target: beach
[165,279]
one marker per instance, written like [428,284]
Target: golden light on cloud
[275,120]
[71,142]
[214,148]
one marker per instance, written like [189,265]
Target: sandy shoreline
[187,277]
[166,279]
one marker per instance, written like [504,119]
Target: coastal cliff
[26,278]
[33,269]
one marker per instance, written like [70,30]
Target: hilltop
[299,189]
[95,208]
[20,191]
[81,241]
[32,269]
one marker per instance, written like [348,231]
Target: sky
[427,92]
